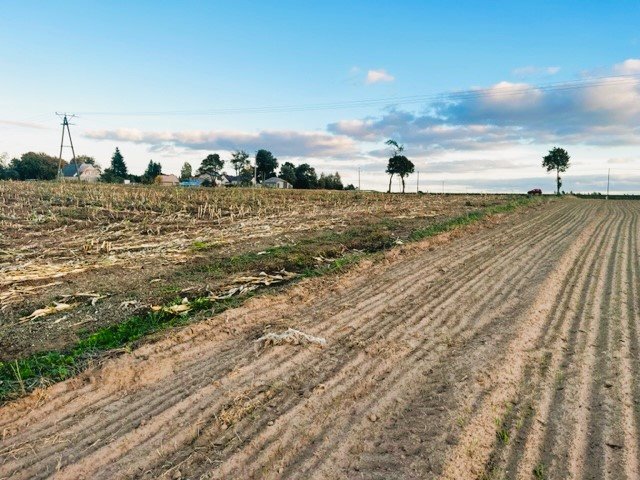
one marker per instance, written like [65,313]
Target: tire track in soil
[346,366]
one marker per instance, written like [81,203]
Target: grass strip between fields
[20,376]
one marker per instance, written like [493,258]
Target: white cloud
[628,67]
[283,143]
[378,76]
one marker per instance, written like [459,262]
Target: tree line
[40,166]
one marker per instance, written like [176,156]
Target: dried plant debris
[50,310]
[243,285]
[65,303]
[290,336]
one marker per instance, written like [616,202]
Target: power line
[65,124]
[445,97]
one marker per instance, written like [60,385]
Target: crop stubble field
[508,350]
[112,251]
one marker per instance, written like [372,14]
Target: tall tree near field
[246,176]
[266,164]
[239,160]
[398,164]
[306,176]
[557,159]
[331,181]
[288,172]
[185,171]
[117,172]
[153,170]
[35,166]
[211,165]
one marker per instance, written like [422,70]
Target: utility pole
[255,173]
[65,124]
[418,183]
[608,175]
[442,187]
[358,178]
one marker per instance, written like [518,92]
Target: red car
[535,191]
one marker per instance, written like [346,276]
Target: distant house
[86,171]
[208,180]
[230,180]
[166,180]
[275,182]
[192,182]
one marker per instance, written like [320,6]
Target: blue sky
[180,63]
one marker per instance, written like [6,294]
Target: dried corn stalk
[292,337]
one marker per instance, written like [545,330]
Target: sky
[477,92]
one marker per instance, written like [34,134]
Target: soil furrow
[427,350]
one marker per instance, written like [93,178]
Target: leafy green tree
[246,176]
[35,166]
[331,181]
[117,172]
[350,187]
[266,164]
[211,165]
[557,159]
[185,171]
[239,160]
[153,170]
[306,177]
[288,172]
[398,164]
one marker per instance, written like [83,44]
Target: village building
[167,180]
[276,182]
[86,172]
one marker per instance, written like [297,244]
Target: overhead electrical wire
[512,90]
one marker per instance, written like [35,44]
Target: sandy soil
[510,352]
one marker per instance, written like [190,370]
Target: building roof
[232,178]
[167,178]
[192,182]
[70,170]
[275,180]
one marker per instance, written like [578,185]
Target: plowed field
[510,352]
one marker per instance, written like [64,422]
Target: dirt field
[109,250]
[508,352]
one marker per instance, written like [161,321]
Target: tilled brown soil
[509,353]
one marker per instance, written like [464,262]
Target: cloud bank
[283,143]
[604,112]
